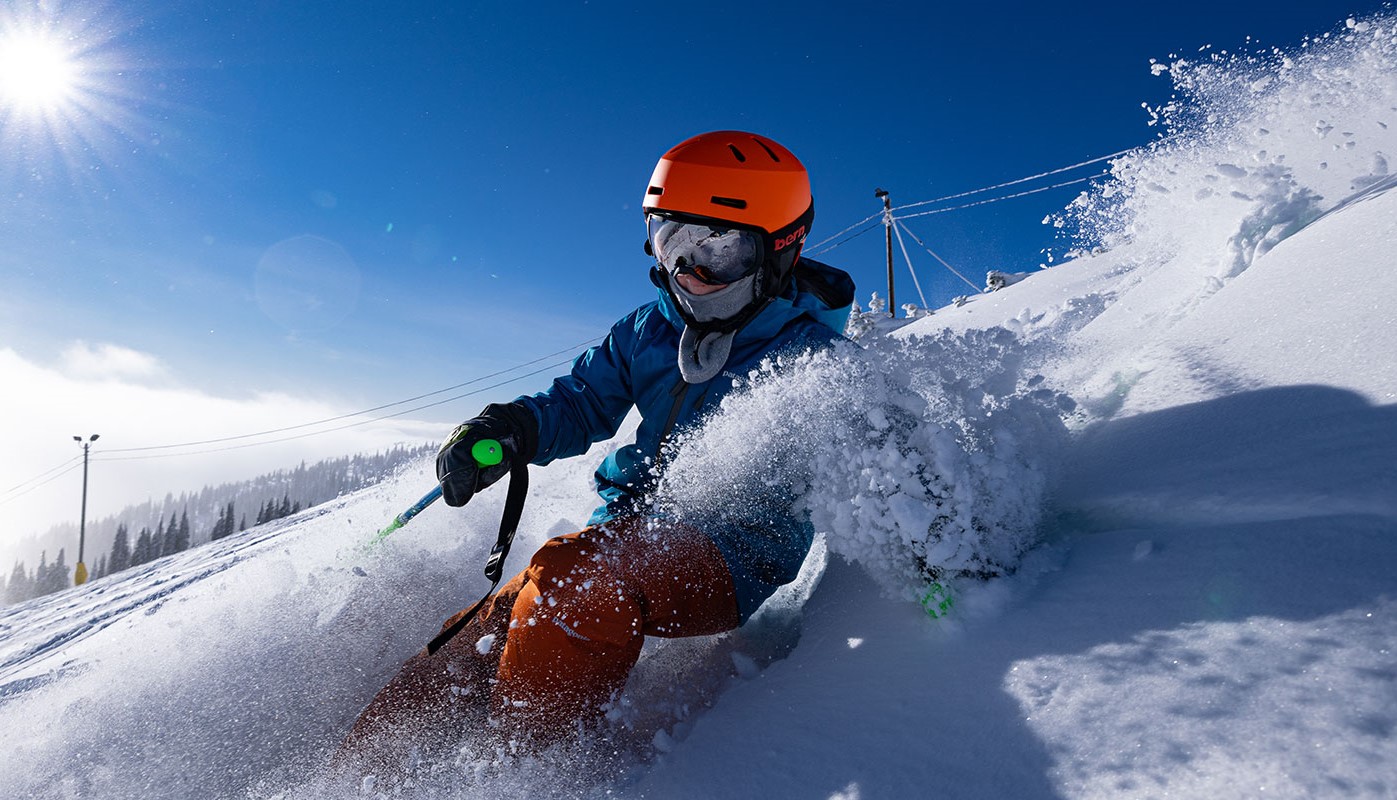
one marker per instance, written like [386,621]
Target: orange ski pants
[557,641]
[586,605]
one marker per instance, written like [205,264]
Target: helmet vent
[655,190]
[737,153]
[768,150]
[730,202]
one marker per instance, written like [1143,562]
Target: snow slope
[1205,599]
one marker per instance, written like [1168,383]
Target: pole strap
[494,565]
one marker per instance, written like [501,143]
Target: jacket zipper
[678,392]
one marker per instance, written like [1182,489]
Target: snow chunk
[484,644]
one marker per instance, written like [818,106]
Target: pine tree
[157,541]
[217,532]
[17,589]
[58,573]
[101,570]
[41,574]
[121,550]
[169,541]
[141,553]
[224,526]
[182,538]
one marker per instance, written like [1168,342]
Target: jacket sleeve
[588,404]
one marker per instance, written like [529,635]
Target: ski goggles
[715,255]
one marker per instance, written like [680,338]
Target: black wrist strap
[494,565]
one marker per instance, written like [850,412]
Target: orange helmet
[738,180]
[731,176]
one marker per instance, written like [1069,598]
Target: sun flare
[37,72]
[68,95]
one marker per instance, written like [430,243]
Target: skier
[727,213]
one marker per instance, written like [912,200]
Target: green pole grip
[487,452]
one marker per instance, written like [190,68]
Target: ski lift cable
[358,413]
[903,226]
[824,246]
[820,246]
[822,251]
[104,457]
[995,199]
[51,479]
[829,239]
[1015,182]
[908,258]
[42,475]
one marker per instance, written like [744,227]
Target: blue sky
[352,203]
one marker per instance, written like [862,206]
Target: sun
[38,72]
[67,95]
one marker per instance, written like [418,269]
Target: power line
[72,465]
[19,489]
[994,199]
[828,239]
[956,272]
[1015,182]
[824,246]
[361,412]
[330,430]
[41,475]
[874,226]
[908,259]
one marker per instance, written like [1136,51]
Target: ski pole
[494,565]
[486,452]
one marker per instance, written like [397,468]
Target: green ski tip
[938,601]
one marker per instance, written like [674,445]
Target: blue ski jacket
[638,365]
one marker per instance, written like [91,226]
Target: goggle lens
[714,255]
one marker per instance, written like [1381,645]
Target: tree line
[203,517]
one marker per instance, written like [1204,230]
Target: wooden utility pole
[888,235]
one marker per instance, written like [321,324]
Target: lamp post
[80,572]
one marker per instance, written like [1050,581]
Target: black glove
[511,424]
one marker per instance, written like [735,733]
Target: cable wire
[104,457]
[19,490]
[365,411]
[824,246]
[43,474]
[873,226]
[18,495]
[1014,182]
[910,268]
[828,239]
[903,225]
[995,199]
